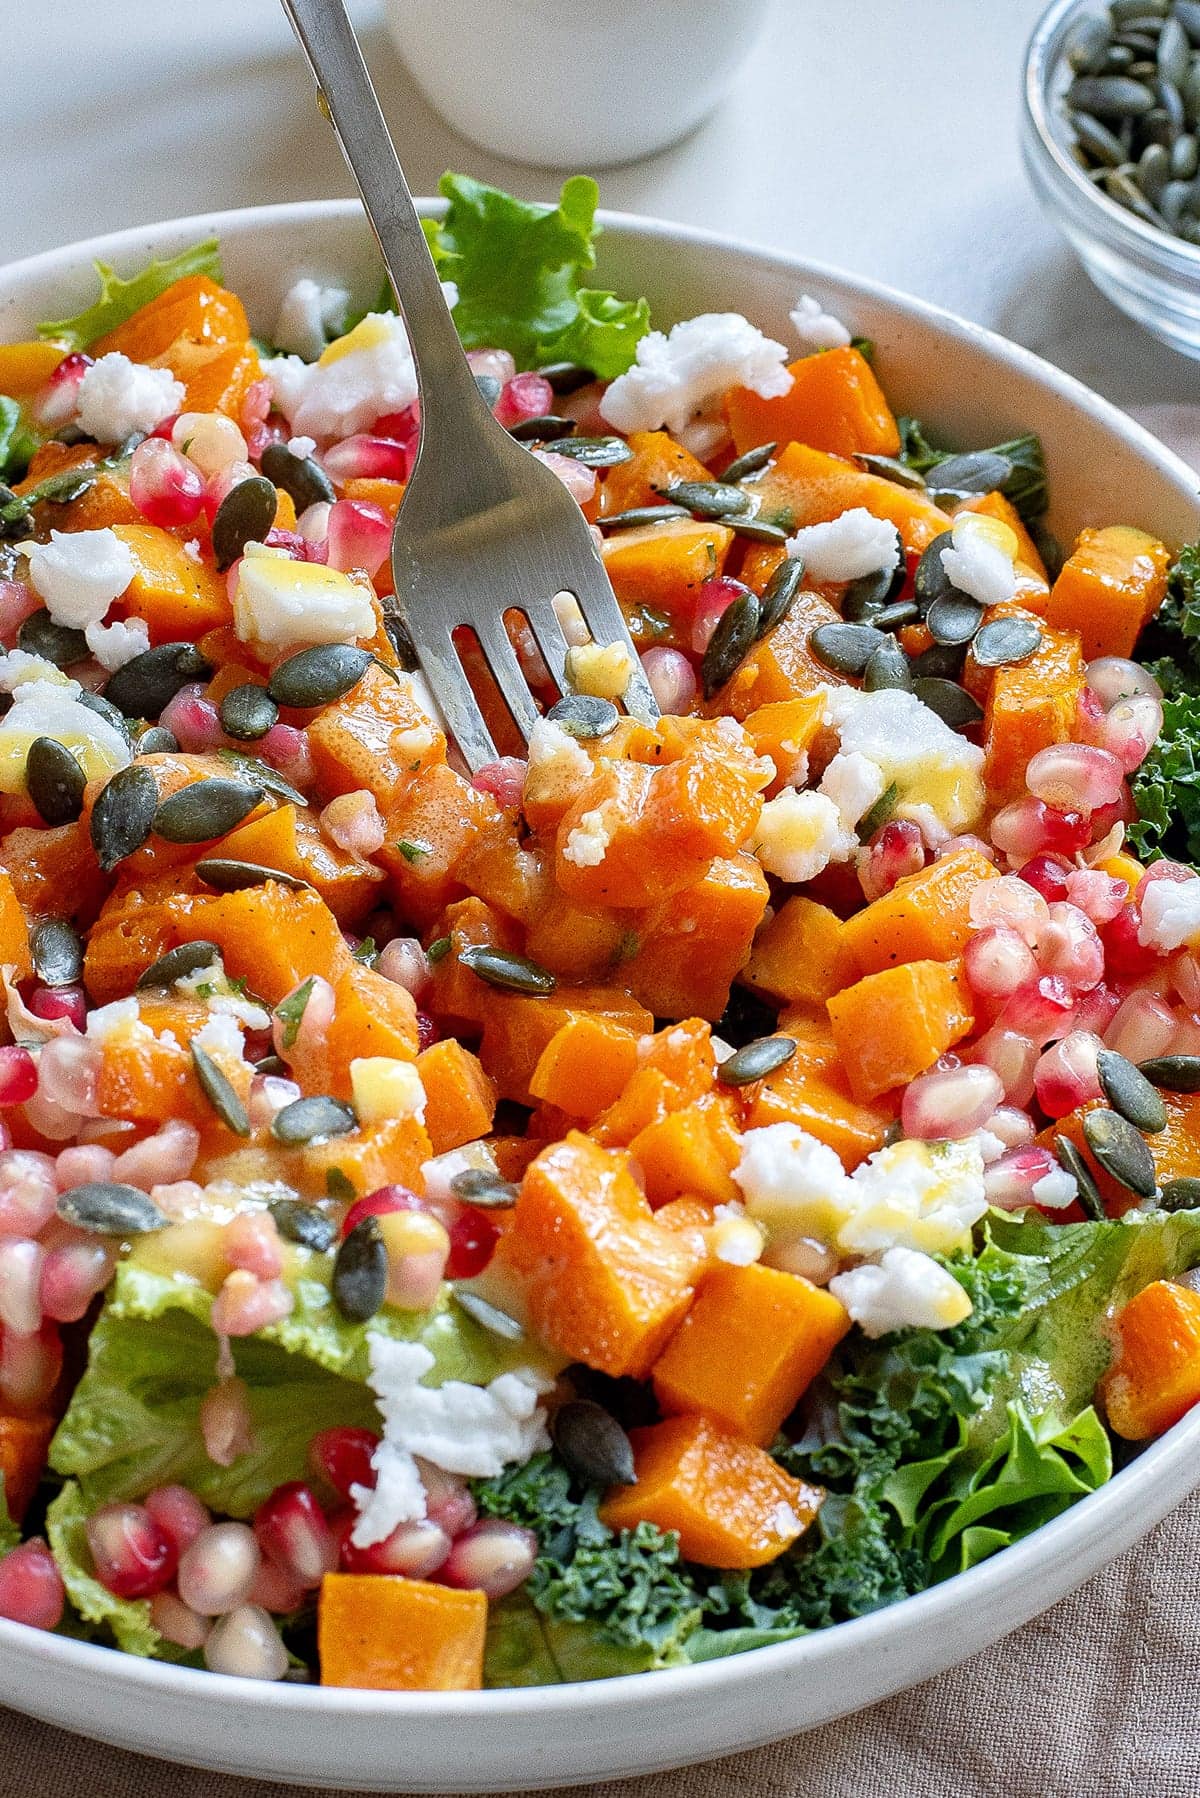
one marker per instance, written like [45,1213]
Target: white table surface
[880,135]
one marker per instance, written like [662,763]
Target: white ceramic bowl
[973,388]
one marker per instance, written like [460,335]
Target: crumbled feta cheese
[734,1238]
[440,1170]
[816,328]
[586,844]
[980,561]
[1055,1190]
[675,375]
[248,1015]
[990,1146]
[557,765]
[921,1195]
[115,644]
[302,447]
[221,1035]
[111,1020]
[78,574]
[44,708]
[280,602]
[17,666]
[601,670]
[356,380]
[798,834]
[847,547]
[191,549]
[792,1184]
[118,397]
[385,1087]
[938,774]
[473,1430]
[854,783]
[309,315]
[1170,914]
[903,1291]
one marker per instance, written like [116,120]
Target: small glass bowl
[1151,275]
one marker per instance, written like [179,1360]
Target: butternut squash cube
[1110,586]
[383,1633]
[1155,1374]
[925,917]
[891,1026]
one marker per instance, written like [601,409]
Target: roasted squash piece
[382,1633]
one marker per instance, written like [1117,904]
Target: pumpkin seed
[844,648]
[1130,1093]
[888,669]
[756,1060]
[941,661]
[549,428]
[109,1208]
[756,530]
[894,618]
[360,1272]
[1087,1193]
[178,963]
[305,1224]
[512,973]
[1180,1194]
[592,1444]
[951,703]
[312,1120]
[978,471]
[751,463]
[1185,157]
[1122,1151]
[1087,45]
[931,581]
[1098,140]
[736,633]
[122,815]
[55,781]
[595,452]
[1171,204]
[890,468]
[261,774]
[148,683]
[245,515]
[566,377]
[1173,1073]
[207,809]
[1005,640]
[485,1190]
[57,952]
[954,619]
[1110,96]
[102,707]
[779,594]
[585,716]
[400,638]
[640,515]
[39,635]
[318,676]
[867,596]
[1174,53]
[300,477]
[489,1317]
[272,1064]
[1188,14]
[1154,171]
[248,712]
[220,1092]
[229,876]
[709,499]
[157,741]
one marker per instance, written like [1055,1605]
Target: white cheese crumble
[302,447]
[792,1184]
[248,1015]
[43,708]
[815,328]
[557,766]
[115,644]
[221,1035]
[356,379]
[601,670]
[111,1020]
[472,1430]
[854,783]
[798,834]
[979,562]
[847,547]
[586,844]
[920,1195]
[78,574]
[1170,914]
[118,397]
[309,315]
[17,666]
[1055,1190]
[279,602]
[677,374]
[905,1290]
[937,772]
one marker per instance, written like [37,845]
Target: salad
[677,1188]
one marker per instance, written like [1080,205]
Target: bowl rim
[1039,72]
[1167,1469]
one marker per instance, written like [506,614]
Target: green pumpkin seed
[273,1064]
[57,952]
[1087,1192]
[485,1190]
[148,683]
[177,964]
[489,1317]
[1181,1194]
[978,471]
[736,634]
[245,515]
[1110,96]
[157,741]
[931,581]
[400,638]
[1087,45]
[512,973]
[1130,1093]
[954,619]
[755,530]
[1122,1151]
[1154,171]
[585,716]
[1173,1073]
[1188,14]
[1098,140]
[95,702]
[709,499]
[890,468]
[566,377]
[595,452]
[879,814]
[39,635]
[549,428]
[1174,54]
[888,669]
[637,516]
[779,594]
[303,1224]
[756,1060]
[300,477]
[248,712]
[866,597]
[743,467]
[1005,640]
[108,1208]
[951,703]
[54,781]
[1185,157]
[122,815]
[226,875]
[360,1273]
[220,1092]
[941,661]
[844,648]
[894,618]
[207,809]
[312,1120]
[1121,187]
[261,774]
[319,676]
[592,1444]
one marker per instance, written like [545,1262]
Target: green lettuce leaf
[122,1620]
[120,299]
[17,442]
[517,267]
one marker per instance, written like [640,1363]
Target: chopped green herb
[290,1011]
[413,850]
[440,946]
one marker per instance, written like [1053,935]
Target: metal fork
[484,527]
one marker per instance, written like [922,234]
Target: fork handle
[332,51]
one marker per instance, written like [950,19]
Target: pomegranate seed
[580,482]
[178,1513]
[251,1241]
[298,546]
[342,1456]
[209,440]
[28,1192]
[404,962]
[405,427]
[1089,717]
[131,1554]
[256,408]
[998,960]
[1010,1126]
[1113,678]
[269,1093]
[1144,1026]
[57,400]
[358,535]
[72,1276]
[217,1569]
[413,1549]
[448,1500]
[1126,957]
[166,488]
[18,601]
[1069,944]
[1009,1182]
[81,1162]
[245,1305]
[194,720]
[473,1238]
[493,1557]
[1074,777]
[177,1623]
[31,1587]
[59,1002]
[1013,1056]
[672,679]
[1066,1076]
[1047,875]
[380,1203]
[427,1031]
[159,1160]
[370,458]
[527,395]
[225,1422]
[246,1644]
[30,1368]
[294,1038]
[711,600]
[20,1283]
[275,1590]
[1030,827]
[1041,1010]
[950,1103]
[286,748]
[504,780]
[1185,980]
[353,822]
[18,1075]
[1131,730]
[497,365]
[291,1529]
[1096,894]
[897,849]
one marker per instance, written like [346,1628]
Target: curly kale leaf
[1166,788]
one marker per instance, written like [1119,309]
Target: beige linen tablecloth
[1100,1698]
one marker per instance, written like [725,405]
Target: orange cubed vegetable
[730,1503]
[925,917]
[690,947]
[195,308]
[585,1066]
[460,1099]
[692,1151]
[1110,586]
[1155,1374]
[293,842]
[135,926]
[372,1016]
[834,403]
[786,730]
[177,598]
[801,957]
[376,738]
[661,565]
[24,1444]
[15,952]
[24,367]
[271,936]
[217,379]
[807,486]
[656,463]
[811,1090]
[891,1026]
[751,1344]
[436,820]
[517,1029]
[383,1633]
[54,871]
[390,1153]
[781,667]
[1030,706]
